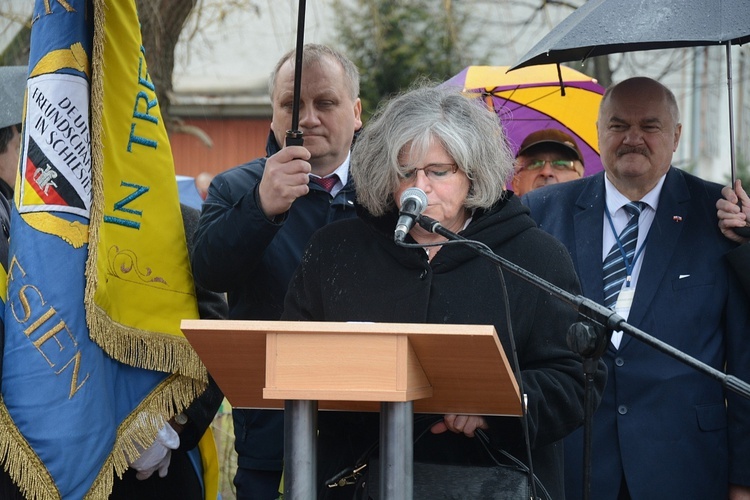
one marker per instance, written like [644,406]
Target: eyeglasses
[434,171]
[555,164]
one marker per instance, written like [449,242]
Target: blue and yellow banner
[98,275]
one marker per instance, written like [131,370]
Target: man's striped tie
[614,264]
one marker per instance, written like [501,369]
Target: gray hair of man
[312,53]
[470,133]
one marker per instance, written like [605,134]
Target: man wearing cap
[12,88]
[546,156]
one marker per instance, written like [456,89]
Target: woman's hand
[460,424]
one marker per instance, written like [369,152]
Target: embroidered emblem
[43,179]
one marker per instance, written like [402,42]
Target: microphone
[413,203]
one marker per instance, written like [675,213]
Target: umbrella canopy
[532,99]
[602,27]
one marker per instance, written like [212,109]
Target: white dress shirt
[615,202]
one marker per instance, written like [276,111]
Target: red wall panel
[235,141]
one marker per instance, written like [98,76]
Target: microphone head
[416,194]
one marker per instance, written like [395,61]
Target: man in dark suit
[258,217]
[663,430]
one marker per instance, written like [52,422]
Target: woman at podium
[453,151]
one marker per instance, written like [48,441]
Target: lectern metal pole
[300,449]
[397,450]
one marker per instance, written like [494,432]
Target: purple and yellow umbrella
[530,99]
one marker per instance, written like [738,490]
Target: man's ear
[514,182]
[357,114]
[677,134]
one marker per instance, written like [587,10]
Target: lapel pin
[677,218]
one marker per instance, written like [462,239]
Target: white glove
[157,456]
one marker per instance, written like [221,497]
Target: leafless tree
[161,24]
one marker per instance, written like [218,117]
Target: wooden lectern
[395,368]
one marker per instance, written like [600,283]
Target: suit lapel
[587,234]
[661,244]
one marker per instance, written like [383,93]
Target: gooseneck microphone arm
[592,311]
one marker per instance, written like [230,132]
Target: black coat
[240,252]
[352,271]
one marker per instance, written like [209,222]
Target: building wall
[235,141]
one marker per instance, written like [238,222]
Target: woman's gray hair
[470,133]
[312,53]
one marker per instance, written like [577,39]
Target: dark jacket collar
[503,221]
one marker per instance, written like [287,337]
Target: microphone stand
[590,340]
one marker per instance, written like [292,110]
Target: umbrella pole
[294,136]
[731,113]
[562,84]
[742,231]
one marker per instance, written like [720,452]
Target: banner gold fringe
[172,396]
[27,471]
[147,350]
[143,349]
[139,348]
[22,464]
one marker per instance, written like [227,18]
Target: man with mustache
[645,241]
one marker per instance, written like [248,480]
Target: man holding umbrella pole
[258,217]
[644,240]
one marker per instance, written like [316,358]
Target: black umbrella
[601,27]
